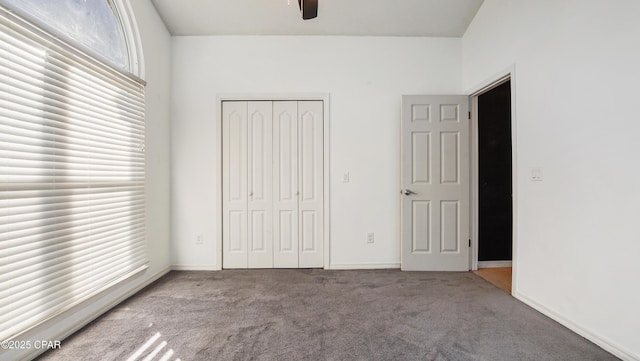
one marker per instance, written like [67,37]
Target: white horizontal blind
[72,205]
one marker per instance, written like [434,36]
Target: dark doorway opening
[495,213]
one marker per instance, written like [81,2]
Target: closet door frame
[324,97]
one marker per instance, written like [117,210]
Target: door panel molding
[234,183]
[435,183]
[321,235]
[260,178]
[285,184]
[310,161]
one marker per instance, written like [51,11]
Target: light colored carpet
[325,315]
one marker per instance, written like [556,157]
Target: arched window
[72,163]
[96,26]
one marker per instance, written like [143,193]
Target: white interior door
[435,183]
[234,184]
[273,184]
[285,184]
[310,180]
[259,176]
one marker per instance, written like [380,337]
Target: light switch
[345,178]
[536,174]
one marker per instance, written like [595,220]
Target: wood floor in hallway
[499,277]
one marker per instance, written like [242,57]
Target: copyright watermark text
[28,345]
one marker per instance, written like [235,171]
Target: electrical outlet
[370,237]
[536,174]
[200,239]
[345,177]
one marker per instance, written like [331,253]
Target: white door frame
[324,97]
[498,79]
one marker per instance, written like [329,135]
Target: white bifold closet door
[272,184]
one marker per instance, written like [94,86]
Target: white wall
[364,76]
[156,44]
[576,85]
[157,52]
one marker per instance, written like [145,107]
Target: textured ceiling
[437,18]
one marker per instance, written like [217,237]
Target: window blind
[72,171]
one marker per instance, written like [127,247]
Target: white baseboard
[603,342]
[125,296]
[194,267]
[341,266]
[99,312]
[494,264]
[67,331]
[355,266]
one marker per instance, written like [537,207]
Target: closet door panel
[273,194]
[260,176]
[310,180]
[234,184]
[285,184]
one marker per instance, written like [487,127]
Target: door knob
[408,192]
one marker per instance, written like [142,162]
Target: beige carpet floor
[324,315]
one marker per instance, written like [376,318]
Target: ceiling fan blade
[309,8]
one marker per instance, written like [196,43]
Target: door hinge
[469,115]
[469,243]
